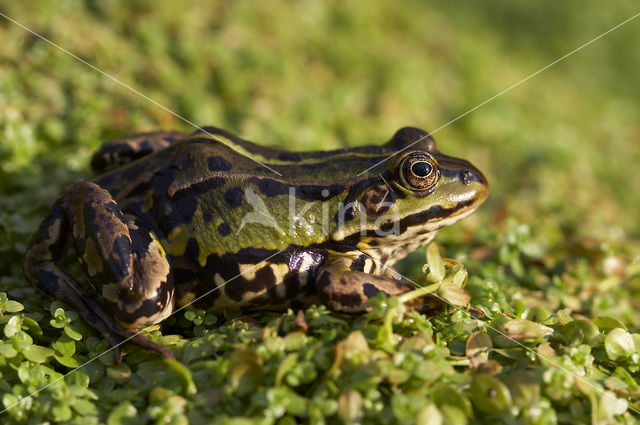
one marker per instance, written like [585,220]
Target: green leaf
[350,406]
[295,341]
[477,343]
[611,406]
[7,350]
[32,326]
[581,331]
[12,306]
[36,353]
[538,314]
[489,394]
[179,373]
[444,394]
[10,401]
[436,265]
[429,415]
[608,323]
[67,361]
[13,326]
[123,414]
[522,329]
[454,294]
[284,367]
[61,413]
[619,344]
[64,346]
[120,372]
[72,332]
[21,340]
[246,371]
[84,407]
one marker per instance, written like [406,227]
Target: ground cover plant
[550,263]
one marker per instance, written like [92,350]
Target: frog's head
[406,199]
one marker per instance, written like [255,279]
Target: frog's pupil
[421,169]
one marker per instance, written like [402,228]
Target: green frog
[214,222]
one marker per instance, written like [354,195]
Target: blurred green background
[562,147]
[561,151]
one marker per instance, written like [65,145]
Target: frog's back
[206,159]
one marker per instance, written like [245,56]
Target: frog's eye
[419,171]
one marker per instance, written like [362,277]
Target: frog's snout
[465,176]
[471,176]
[471,173]
[472,183]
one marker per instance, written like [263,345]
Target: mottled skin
[191,220]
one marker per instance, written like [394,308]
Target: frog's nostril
[465,176]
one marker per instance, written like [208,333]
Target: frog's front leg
[125,264]
[345,283]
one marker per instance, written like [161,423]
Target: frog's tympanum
[215,222]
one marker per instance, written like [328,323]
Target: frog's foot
[117,335]
[429,304]
[126,266]
[344,286]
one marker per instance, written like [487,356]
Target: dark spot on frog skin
[350,300]
[347,212]
[204,302]
[234,197]
[207,216]
[257,255]
[218,163]
[150,306]
[224,229]
[370,290]
[378,200]
[270,187]
[344,215]
[198,189]
[133,171]
[49,224]
[289,156]
[49,280]
[318,192]
[358,263]
[323,281]
[183,274]
[182,212]
[192,250]
[185,201]
[306,192]
[435,212]
[264,280]
[292,285]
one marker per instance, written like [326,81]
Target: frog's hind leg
[127,268]
[117,153]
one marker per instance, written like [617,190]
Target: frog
[213,222]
